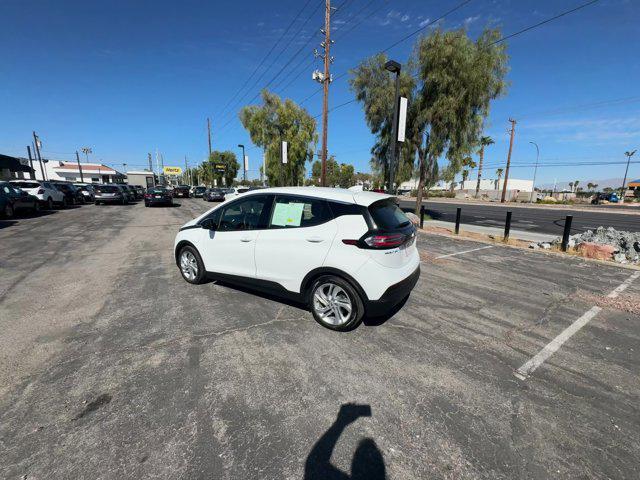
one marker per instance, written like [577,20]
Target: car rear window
[157,190]
[25,184]
[387,215]
[106,189]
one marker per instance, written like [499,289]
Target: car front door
[230,247]
[300,233]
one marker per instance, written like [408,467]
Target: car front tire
[191,266]
[335,304]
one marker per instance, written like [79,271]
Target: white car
[44,191]
[344,254]
[234,192]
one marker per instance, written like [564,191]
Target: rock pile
[620,246]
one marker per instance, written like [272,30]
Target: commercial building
[145,178]
[85,172]
[14,167]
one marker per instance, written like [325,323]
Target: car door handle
[246,239]
[315,239]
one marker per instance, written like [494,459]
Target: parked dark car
[199,191]
[133,193]
[13,200]
[611,197]
[110,194]
[157,196]
[213,195]
[140,190]
[181,191]
[87,191]
[72,194]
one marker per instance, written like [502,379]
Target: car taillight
[147,195]
[385,241]
[40,191]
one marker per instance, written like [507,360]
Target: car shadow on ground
[370,319]
[173,205]
[367,462]
[8,222]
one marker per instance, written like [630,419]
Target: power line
[531,27]
[265,58]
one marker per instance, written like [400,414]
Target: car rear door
[230,248]
[299,236]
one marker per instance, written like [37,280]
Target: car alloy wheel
[189,265]
[332,304]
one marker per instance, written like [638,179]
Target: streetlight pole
[86,151]
[624,182]
[394,67]
[535,172]
[244,164]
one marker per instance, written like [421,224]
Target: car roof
[364,198]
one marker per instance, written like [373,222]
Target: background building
[70,171]
[145,178]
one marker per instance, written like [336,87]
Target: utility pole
[535,172]
[209,135]
[157,167]
[624,182]
[151,169]
[32,173]
[506,173]
[36,143]
[186,169]
[86,151]
[79,167]
[325,79]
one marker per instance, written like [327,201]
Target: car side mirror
[209,224]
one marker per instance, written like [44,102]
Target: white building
[145,178]
[70,172]
[485,184]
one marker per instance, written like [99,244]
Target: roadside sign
[172,170]
[246,163]
[284,152]
[219,167]
[402,119]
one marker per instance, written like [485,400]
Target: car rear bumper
[393,295]
[108,199]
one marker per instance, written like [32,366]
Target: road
[113,367]
[539,220]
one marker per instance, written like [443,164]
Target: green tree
[231,167]
[484,142]
[374,88]
[499,173]
[276,121]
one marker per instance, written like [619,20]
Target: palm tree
[465,175]
[499,172]
[484,141]
[571,186]
[575,185]
[590,186]
[595,186]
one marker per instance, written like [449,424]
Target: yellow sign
[172,170]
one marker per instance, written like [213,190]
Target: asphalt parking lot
[112,366]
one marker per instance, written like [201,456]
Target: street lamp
[86,151]
[535,172]
[624,182]
[244,164]
[394,67]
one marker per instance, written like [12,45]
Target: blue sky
[127,77]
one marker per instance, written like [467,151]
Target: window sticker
[287,214]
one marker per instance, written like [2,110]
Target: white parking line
[528,368]
[464,251]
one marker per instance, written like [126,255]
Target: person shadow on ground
[367,462]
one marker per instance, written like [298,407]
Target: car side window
[248,213]
[291,211]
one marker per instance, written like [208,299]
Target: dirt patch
[626,303]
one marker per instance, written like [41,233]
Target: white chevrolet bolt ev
[343,253]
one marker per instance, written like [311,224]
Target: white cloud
[425,22]
[469,20]
[404,18]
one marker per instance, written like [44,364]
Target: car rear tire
[36,206]
[191,266]
[335,304]
[9,212]
[65,202]
[49,203]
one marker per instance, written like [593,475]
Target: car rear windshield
[157,190]
[25,184]
[387,215]
[200,189]
[107,189]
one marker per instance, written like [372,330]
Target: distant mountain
[602,183]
